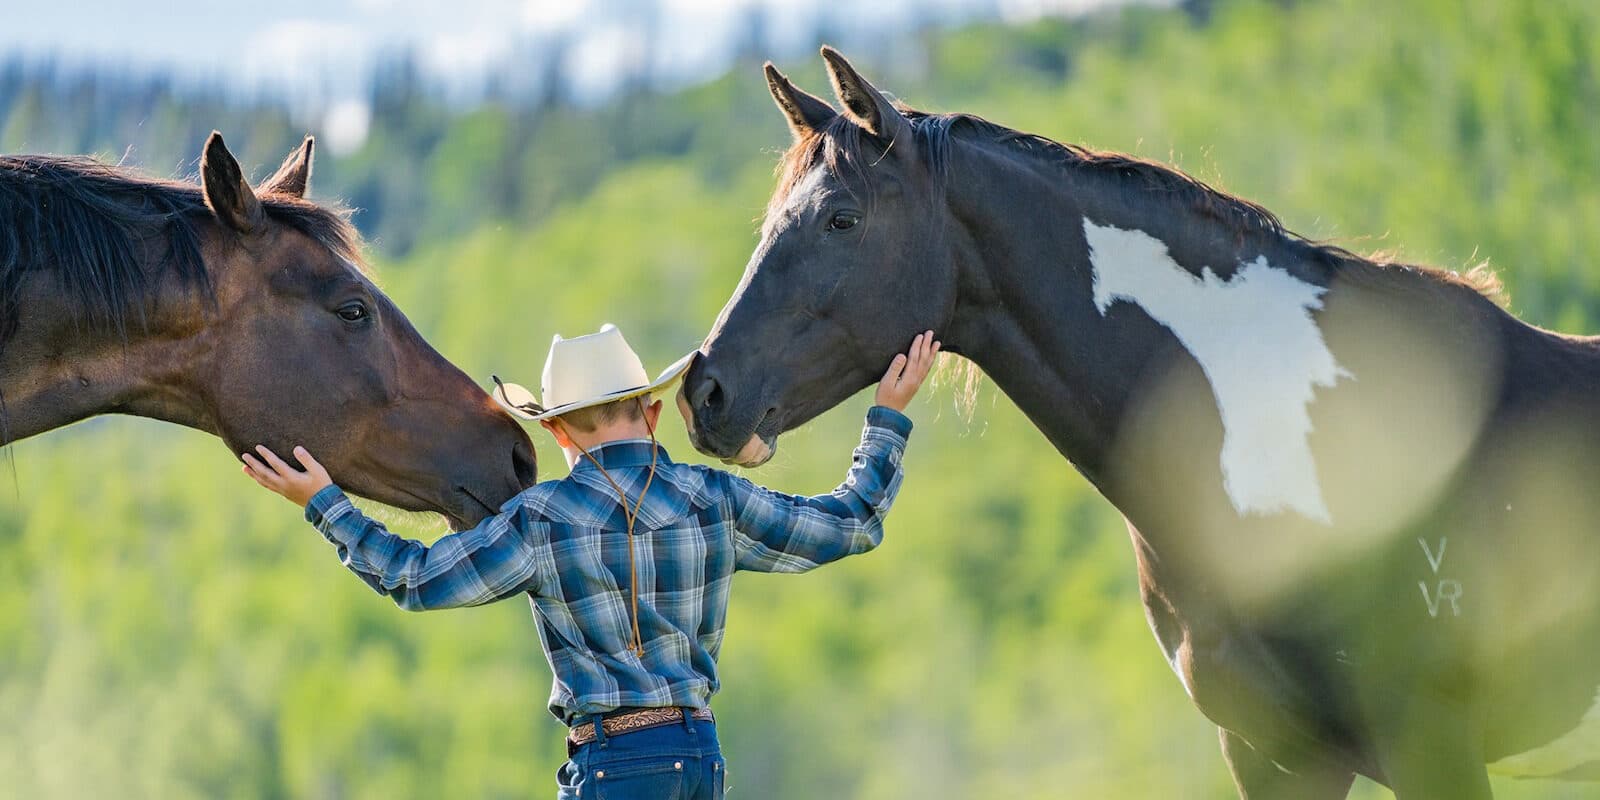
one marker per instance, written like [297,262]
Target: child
[627,560]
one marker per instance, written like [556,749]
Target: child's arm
[776,532]
[504,555]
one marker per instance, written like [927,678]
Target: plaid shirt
[563,543]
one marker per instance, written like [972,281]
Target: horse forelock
[795,163]
[93,225]
[850,152]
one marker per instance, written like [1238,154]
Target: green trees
[168,629]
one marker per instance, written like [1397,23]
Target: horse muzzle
[756,450]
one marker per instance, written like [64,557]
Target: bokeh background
[525,168]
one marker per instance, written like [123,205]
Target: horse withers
[237,310]
[1360,493]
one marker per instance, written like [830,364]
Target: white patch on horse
[1259,347]
[1578,747]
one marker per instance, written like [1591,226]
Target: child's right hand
[275,474]
[906,373]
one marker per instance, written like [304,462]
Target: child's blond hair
[590,419]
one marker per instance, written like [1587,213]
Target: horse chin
[457,519]
[467,510]
[755,452]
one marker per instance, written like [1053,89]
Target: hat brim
[667,377]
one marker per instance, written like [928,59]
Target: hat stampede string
[637,645]
[588,371]
[528,405]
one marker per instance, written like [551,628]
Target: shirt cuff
[890,420]
[322,502]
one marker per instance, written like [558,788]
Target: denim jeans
[680,761]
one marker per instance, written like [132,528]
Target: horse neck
[58,369]
[1026,311]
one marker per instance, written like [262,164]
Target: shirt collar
[624,453]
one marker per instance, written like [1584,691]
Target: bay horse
[1360,493]
[240,311]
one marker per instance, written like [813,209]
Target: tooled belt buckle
[633,721]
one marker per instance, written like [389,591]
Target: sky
[318,53]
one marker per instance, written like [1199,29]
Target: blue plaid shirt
[563,543]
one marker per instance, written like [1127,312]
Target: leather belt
[634,721]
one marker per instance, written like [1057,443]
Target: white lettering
[1434,561]
[1448,589]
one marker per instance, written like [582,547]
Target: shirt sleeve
[503,555]
[776,532]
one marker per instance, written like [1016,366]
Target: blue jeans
[680,761]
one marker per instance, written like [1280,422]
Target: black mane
[844,146]
[108,233]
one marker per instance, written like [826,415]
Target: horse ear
[805,112]
[866,105]
[294,177]
[227,193]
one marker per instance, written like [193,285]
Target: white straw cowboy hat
[586,371]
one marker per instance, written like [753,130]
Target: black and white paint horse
[1361,494]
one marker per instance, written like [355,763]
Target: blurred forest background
[168,629]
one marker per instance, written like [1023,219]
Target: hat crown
[588,367]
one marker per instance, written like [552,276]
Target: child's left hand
[275,474]
[906,373]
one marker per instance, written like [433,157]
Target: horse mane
[845,147]
[108,232]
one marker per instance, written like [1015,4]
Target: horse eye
[843,221]
[352,312]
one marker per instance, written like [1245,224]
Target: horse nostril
[715,398]
[707,393]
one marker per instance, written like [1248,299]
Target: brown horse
[239,311]
[1361,494]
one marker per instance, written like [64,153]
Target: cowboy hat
[586,371]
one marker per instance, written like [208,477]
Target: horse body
[236,310]
[1414,540]
[1357,492]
